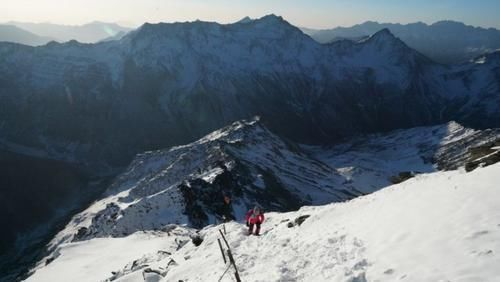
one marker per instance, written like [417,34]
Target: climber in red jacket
[254,217]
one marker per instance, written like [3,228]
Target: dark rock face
[103,220]
[203,198]
[402,176]
[467,151]
[490,159]
[80,234]
[197,240]
[298,221]
[484,155]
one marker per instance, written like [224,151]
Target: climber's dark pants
[257,230]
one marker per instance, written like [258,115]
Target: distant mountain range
[10,33]
[88,33]
[444,41]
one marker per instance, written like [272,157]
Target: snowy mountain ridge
[244,160]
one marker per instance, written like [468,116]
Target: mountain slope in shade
[38,198]
[11,33]
[170,84]
[117,36]
[436,227]
[444,41]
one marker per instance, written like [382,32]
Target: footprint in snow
[361,277]
[332,240]
[361,265]
[389,271]
[485,253]
[287,274]
[478,234]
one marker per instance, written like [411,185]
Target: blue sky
[311,13]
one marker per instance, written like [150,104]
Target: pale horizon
[320,14]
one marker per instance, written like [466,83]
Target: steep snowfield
[441,226]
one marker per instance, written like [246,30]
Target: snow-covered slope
[441,226]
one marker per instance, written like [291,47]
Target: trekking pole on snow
[222,251]
[231,258]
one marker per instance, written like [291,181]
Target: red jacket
[254,218]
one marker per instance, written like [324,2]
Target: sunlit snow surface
[442,226]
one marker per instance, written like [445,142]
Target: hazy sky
[308,13]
